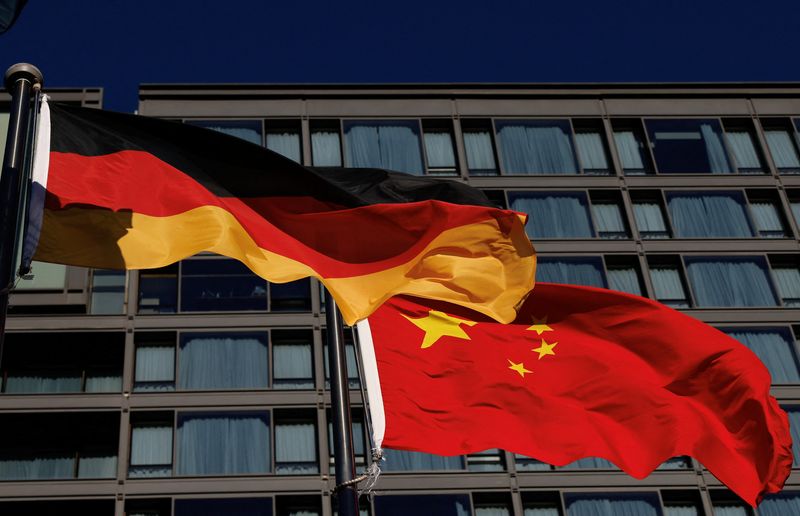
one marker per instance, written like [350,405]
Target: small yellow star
[438,324]
[540,325]
[545,349]
[520,368]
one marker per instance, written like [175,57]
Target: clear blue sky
[119,44]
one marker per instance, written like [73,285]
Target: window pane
[294,296]
[40,466]
[783,149]
[743,146]
[528,464]
[794,427]
[668,287]
[151,451]
[731,509]
[541,511]
[688,146]
[248,130]
[592,152]
[393,145]
[590,463]
[401,460]
[630,149]
[155,367]
[625,280]
[708,214]
[108,291]
[103,382]
[158,290]
[650,220]
[223,444]
[220,285]
[223,361]
[480,153]
[97,466]
[326,149]
[492,510]
[767,219]
[730,281]
[574,271]
[30,383]
[440,505]
[439,150]
[788,281]
[292,363]
[536,147]
[774,347]
[612,505]
[554,214]
[224,507]
[285,143]
[609,220]
[780,504]
[295,449]
[680,510]
[46,276]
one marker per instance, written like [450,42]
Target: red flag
[581,372]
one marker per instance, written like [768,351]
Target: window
[479,147]
[283,137]
[248,130]
[223,443]
[359,440]
[631,147]
[783,145]
[640,504]
[439,150]
[787,502]
[575,271]
[731,508]
[295,443]
[388,144]
[492,504]
[350,357]
[151,445]
[487,460]
[401,460]
[298,505]
[43,276]
[223,360]
[524,463]
[668,282]
[741,139]
[567,214]
[624,274]
[37,363]
[108,291]
[85,445]
[590,463]
[649,214]
[709,214]
[591,145]
[294,296]
[728,281]
[786,273]
[685,146]
[681,503]
[766,213]
[220,285]
[223,507]
[775,347]
[794,427]
[326,144]
[536,147]
[440,505]
[541,503]
[158,290]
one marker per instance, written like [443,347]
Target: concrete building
[198,387]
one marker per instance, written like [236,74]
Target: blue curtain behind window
[223,361]
[730,282]
[223,444]
[608,220]
[492,510]
[788,281]
[667,286]
[744,151]
[224,507]
[784,153]
[295,449]
[439,149]
[624,280]
[401,460]
[780,504]
[155,368]
[292,366]
[326,149]
[554,214]
[391,145]
[591,151]
[680,510]
[423,505]
[42,466]
[590,463]
[623,505]
[574,271]
[629,149]
[768,221]
[536,147]
[480,153]
[774,347]
[540,511]
[29,383]
[706,214]
[731,510]
[286,144]
[97,466]
[151,451]
[650,220]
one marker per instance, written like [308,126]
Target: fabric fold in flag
[131,192]
[582,372]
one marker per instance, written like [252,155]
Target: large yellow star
[540,325]
[520,368]
[545,349]
[438,324]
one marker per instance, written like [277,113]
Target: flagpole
[19,81]
[346,492]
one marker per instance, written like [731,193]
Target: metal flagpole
[346,492]
[19,81]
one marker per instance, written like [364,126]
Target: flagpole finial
[22,71]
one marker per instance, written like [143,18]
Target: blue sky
[119,44]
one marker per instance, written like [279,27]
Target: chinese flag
[581,372]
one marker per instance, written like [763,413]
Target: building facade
[201,389]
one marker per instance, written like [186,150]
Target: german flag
[123,191]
